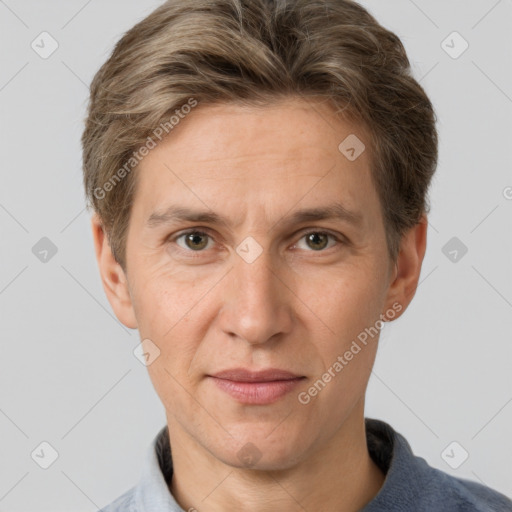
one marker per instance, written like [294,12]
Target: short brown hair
[255,52]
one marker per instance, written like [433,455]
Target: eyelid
[338,237]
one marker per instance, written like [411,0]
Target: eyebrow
[176,213]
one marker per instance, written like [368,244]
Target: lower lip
[257,393]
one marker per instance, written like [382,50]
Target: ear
[405,276]
[113,277]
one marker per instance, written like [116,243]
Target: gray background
[68,375]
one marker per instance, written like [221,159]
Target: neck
[339,476]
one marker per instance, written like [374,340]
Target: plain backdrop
[68,375]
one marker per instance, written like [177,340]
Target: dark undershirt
[378,439]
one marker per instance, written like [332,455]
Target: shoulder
[412,484]
[459,494]
[124,503]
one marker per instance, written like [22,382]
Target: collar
[389,450]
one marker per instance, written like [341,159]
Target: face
[258,283]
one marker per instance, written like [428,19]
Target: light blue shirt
[410,485]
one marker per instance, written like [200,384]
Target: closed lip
[267,375]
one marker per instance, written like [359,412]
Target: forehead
[278,154]
[291,129]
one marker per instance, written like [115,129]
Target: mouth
[256,388]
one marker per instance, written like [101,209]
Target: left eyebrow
[335,211]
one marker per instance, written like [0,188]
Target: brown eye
[317,241]
[194,240]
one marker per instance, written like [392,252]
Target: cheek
[174,334]
[162,299]
[158,313]
[347,306]
[345,300]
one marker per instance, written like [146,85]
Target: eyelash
[205,231]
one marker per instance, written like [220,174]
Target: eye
[318,240]
[198,241]
[193,240]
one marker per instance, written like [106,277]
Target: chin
[258,451]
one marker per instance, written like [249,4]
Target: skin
[298,306]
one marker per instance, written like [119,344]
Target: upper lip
[267,375]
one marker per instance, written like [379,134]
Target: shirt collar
[389,450]
[152,493]
[405,473]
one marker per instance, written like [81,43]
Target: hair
[256,52]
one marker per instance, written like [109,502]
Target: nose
[257,304]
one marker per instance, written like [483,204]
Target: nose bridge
[255,307]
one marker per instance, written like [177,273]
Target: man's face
[259,290]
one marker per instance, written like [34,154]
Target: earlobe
[408,266]
[113,277]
